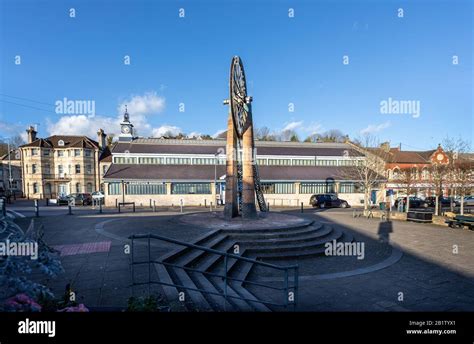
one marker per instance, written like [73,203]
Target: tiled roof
[70,141]
[206,172]
[156,146]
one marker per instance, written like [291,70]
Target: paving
[407,266]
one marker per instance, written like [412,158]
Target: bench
[121,204]
[460,221]
[419,216]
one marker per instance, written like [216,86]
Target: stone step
[180,250]
[217,302]
[288,234]
[240,305]
[275,229]
[334,234]
[302,253]
[206,261]
[189,257]
[196,297]
[288,241]
[241,274]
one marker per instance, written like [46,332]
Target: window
[425,174]
[78,187]
[88,152]
[151,161]
[61,143]
[278,188]
[46,152]
[60,169]
[78,169]
[348,187]
[89,169]
[47,169]
[115,188]
[312,188]
[77,152]
[89,187]
[35,188]
[146,189]
[303,162]
[279,162]
[190,188]
[178,161]
[262,162]
[60,153]
[125,160]
[34,151]
[33,168]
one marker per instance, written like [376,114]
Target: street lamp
[215,176]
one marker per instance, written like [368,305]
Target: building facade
[62,164]
[192,172]
[10,173]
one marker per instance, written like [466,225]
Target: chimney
[31,134]
[385,146]
[101,139]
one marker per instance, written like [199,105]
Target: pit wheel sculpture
[242,177]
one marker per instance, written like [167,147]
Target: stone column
[248,187]
[231,208]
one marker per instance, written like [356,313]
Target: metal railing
[290,290]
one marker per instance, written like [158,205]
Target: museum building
[192,172]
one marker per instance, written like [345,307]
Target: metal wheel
[238,95]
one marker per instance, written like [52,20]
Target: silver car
[468,200]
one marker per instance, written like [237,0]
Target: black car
[443,201]
[62,200]
[328,201]
[81,198]
[415,202]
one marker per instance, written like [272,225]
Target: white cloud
[83,125]
[140,108]
[148,104]
[193,134]
[312,128]
[293,125]
[217,133]
[373,128]
[166,130]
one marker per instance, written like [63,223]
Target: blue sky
[186,60]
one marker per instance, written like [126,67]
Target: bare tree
[454,147]
[333,135]
[463,179]
[406,179]
[368,172]
[439,179]
[262,133]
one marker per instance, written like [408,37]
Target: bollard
[36,208]
[150,202]
[205,203]
[47,202]
[133,206]
[116,203]
[268,207]
[154,206]
[181,204]
[210,207]
[100,206]
[301,206]
[69,209]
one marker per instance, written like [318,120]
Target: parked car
[81,198]
[468,200]
[62,200]
[415,202]
[328,201]
[98,195]
[443,201]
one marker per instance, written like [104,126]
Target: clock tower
[126,128]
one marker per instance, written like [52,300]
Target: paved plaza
[407,266]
